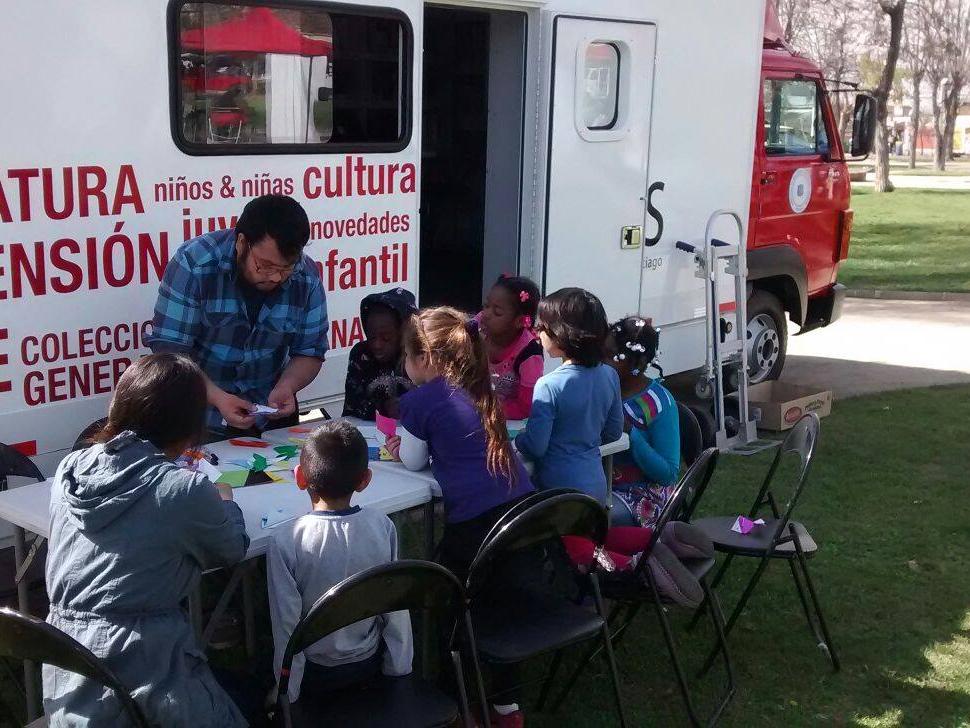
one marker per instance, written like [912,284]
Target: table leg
[429,529]
[426,641]
[23,603]
[249,614]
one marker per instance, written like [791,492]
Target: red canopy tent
[259,30]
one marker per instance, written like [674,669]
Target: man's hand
[283,398]
[225,491]
[393,446]
[236,411]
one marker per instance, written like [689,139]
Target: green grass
[887,504]
[909,240]
[899,166]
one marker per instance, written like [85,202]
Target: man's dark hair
[280,217]
[161,398]
[575,319]
[334,459]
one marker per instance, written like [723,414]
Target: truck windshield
[793,119]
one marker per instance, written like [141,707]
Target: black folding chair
[15,463]
[779,538]
[27,638]
[86,438]
[516,624]
[691,435]
[629,591]
[395,702]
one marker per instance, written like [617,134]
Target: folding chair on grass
[629,591]
[395,702]
[28,638]
[779,538]
[522,623]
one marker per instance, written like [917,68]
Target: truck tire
[766,338]
[702,412]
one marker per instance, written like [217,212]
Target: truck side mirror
[863,125]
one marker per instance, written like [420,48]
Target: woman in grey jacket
[130,536]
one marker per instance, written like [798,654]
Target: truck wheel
[766,337]
[706,420]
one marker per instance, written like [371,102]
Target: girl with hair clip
[645,475]
[453,417]
[514,352]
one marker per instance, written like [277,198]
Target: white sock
[506,709]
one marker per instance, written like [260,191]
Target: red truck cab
[800,220]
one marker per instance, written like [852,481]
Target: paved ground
[882,345]
[928,182]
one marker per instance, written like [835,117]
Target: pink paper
[387,425]
[744,526]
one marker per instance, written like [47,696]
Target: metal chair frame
[31,639]
[685,497]
[512,532]
[352,600]
[802,441]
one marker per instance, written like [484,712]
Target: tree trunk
[895,13]
[914,119]
[939,149]
[951,109]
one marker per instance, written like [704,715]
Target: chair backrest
[13,462]
[27,638]
[86,437]
[409,584]
[567,513]
[801,442]
[687,493]
[691,435]
[519,507]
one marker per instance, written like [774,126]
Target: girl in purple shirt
[454,418]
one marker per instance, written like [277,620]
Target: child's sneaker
[515,719]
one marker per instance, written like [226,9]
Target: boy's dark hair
[636,342]
[334,459]
[524,291]
[161,398]
[280,217]
[575,319]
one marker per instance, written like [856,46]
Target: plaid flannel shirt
[201,312]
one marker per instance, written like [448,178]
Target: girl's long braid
[452,341]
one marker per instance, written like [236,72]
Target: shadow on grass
[849,378]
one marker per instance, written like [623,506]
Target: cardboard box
[778,405]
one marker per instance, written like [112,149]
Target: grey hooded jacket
[130,535]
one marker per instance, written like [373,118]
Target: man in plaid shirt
[250,308]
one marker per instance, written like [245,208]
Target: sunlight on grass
[913,240]
[887,719]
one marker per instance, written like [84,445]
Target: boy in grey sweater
[317,551]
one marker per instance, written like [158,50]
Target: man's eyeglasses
[269,269]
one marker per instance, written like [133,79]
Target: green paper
[235,478]
[259,463]
[287,451]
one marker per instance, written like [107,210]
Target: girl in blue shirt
[645,475]
[575,408]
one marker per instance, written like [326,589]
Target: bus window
[264,77]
